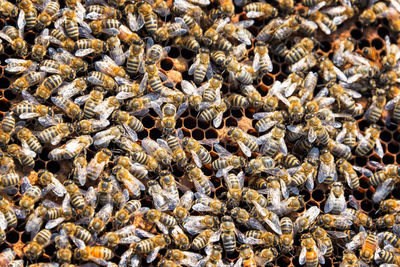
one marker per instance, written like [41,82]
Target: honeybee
[71,149]
[29,12]
[246,256]
[130,208]
[239,72]
[306,219]
[236,31]
[151,246]
[159,150]
[97,164]
[27,80]
[71,109]
[107,26]
[269,217]
[15,65]
[369,248]
[15,36]
[376,11]
[369,141]
[53,66]
[201,67]
[24,156]
[286,239]
[84,47]
[55,134]
[127,36]
[97,254]
[64,252]
[310,254]
[299,50]
[205,203]
[199,153]
[169,30]
[90,126]
[203,239]
[336,202]
[246,142]
[349,135]
[344,97]
[273,141]
[169,114]
[181,211]
[50,182]
[262,62]
[374,111]
[56,214]
[269,119]
[359,218]
[339,222]
[256,10]
[131,183]
[196,224]
[100,219]
[79,170]
[188,42]
[214,111]
[226,161]
[77,231]
[28,140]
[96,12]
[61,55]
[35,220]
[49,85]
[34,249]
[327,172]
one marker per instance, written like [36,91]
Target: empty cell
[5,83]
[318,195]
[386,136]
[167,64]
[230,122]
[12,237]
[148,121]
[388,159]
[174,52]
[187,53]
[364,183]
[189,123]
[53,166]
[383,32]
[358,195]
[143,134]
[237,113]
[356,34]
[204,124]
[325,46]
[366,205]
[267,80]
[377,43]
[211,133]
[155,133]
[9,95]
[198,134]
[363,43]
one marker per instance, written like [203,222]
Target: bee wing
[54,223]
[244,149]
[383,190]
[256,62]
[5,37]
[58,188]
[378,148]
[324,28]
[391,104]
[152,256]
[254,14]
[364,171]
[283,147]
[135,22]
[194,66]
[340,137]
[310,182]
[218,120]
[329,203]
[3,221]
[84,52]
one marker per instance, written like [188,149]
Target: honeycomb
[175,65]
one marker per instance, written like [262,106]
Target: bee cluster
[199,133]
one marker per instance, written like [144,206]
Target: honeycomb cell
[189,123]
[366,205]
[5,83]
[267,80]
[386,136]
[318,195]
[211,134]
[12,237]
[377,43]
[231,122]
[383,32]
[356,34]
[53,166]
[388,159]
[167,64]
[174,52]
[363,43]
[198,134]
[9,95]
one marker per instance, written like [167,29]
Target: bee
[286,239]
[161,219]
[390,238]
[214,257]
[170,189]
[28,10]
[136,169]
[77,231]
[49,182]
[154,77]
[159,150]
[389,205]
[345,47]
[169,30]
[349,135]
[262,62]
[100,219]
[96,12]
[203,239]
[201,67]
[256,10]
[273,143]
[15,65]
[339,222]
[237,30]
[201,182]
[238,71]
[125,118]
[158,196]
[108,26]
[27,80]
[211,89]
[370,140]
[35,248]
[246,256]
[323,240]
[174,143]
[46,17]
[344,97]
[109,67]
[339,150]
[327,172]
[8,123]
[133,185]
[134,63]
[183,257]
[300,50]
[123,215]
[84,47]
[71,149]
[15,38]
[64,252]
[336,202]
[97,254]
[90,126]
[55,134]
[71,109]
[77,64]
[151,246]
[246,142]
[28,140]
[358,218]
[71,21]
[269,217]
[306,219]
[24,156]
[387,221]
[257,237]
[310,254]
[374,12]
[188,42]
[169,114]
[97,164]
[58,37]
[205,203]
[191,25]
[7,257]
[199,153]
[181,211]
[374,112]
[326,25]
[349,259]
[56,214]
[127,36]
[389,257]
[49,85]
[244,218]
[144,17]
[369,248]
